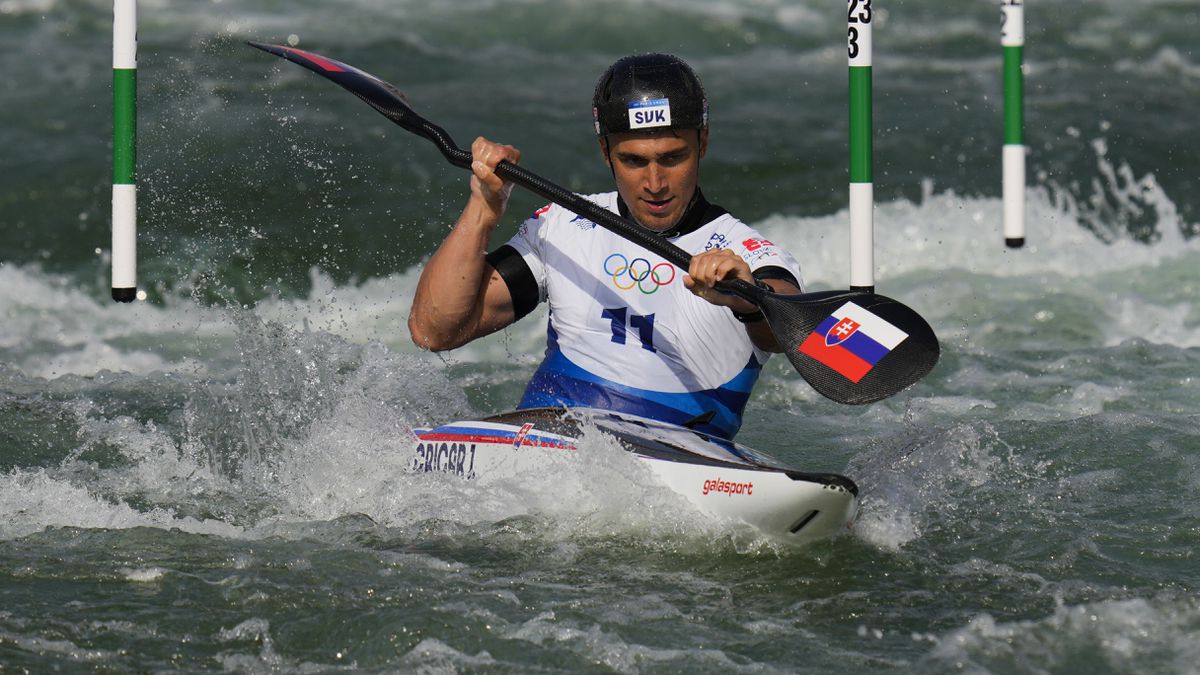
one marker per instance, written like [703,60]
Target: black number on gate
[859,12]
[857,15]
[1004,14]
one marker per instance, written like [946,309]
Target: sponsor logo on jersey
[718,240]
[757,249]
[753,244]
[728,487]
[652,113]
[583,223]
[638,273]
[851,341]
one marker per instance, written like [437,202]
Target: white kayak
[720,477]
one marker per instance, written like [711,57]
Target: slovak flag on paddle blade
[851,341]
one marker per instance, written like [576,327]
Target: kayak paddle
[851,346]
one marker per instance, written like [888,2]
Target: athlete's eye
[673,158]
[633,161]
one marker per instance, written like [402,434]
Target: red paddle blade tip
[304,58]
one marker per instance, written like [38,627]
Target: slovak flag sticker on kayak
[851,341]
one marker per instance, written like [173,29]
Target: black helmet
[649,91]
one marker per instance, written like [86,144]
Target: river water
[213,478]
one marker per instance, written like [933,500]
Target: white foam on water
[143,574]
[64,649]
[608,649]
[258,631]
[18,7]
[33,500]
[901,495]
[1168,61]
[53,328]
[949,232]
[1112,635]
[431,655]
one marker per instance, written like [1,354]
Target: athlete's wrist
[753,314]
[481,215]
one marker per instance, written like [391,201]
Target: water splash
[1117,204]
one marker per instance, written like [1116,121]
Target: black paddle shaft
[792,318]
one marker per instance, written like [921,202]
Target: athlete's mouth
[658,206]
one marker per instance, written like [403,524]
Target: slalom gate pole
[124,153]
[862,188]
[1012,40]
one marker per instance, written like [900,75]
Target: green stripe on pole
[1013,96]
[124,125]
[860,124]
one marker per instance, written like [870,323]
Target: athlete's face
[656,172]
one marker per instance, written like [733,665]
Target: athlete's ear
[703,142]
[603,140]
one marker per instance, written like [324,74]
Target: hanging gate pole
[862,188]
[1012,40]
[124,153]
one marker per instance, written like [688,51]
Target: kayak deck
[720,477]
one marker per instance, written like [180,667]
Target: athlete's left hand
[708,268]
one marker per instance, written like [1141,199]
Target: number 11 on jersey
[643,324]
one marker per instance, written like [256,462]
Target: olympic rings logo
[638,272]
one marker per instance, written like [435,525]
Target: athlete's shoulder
[720,230]
[727,231]
[733,233]
[724,221]
[553,213]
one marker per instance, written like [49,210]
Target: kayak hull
[721,478]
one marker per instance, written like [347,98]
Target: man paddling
[627,330]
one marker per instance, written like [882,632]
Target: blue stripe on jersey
[559,382]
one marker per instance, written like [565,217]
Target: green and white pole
[124,153]
[1012,40]
[862,187]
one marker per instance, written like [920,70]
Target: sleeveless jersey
[624,333]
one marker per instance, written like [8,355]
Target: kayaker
[627,331]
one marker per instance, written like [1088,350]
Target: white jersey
[624,333]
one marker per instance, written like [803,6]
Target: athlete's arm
[460,296]
[709,267]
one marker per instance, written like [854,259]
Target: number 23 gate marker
[862,188]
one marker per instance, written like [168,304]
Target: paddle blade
[852,347]
[380,95]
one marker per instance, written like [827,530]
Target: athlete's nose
[656,180]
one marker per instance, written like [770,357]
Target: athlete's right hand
[485,184]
